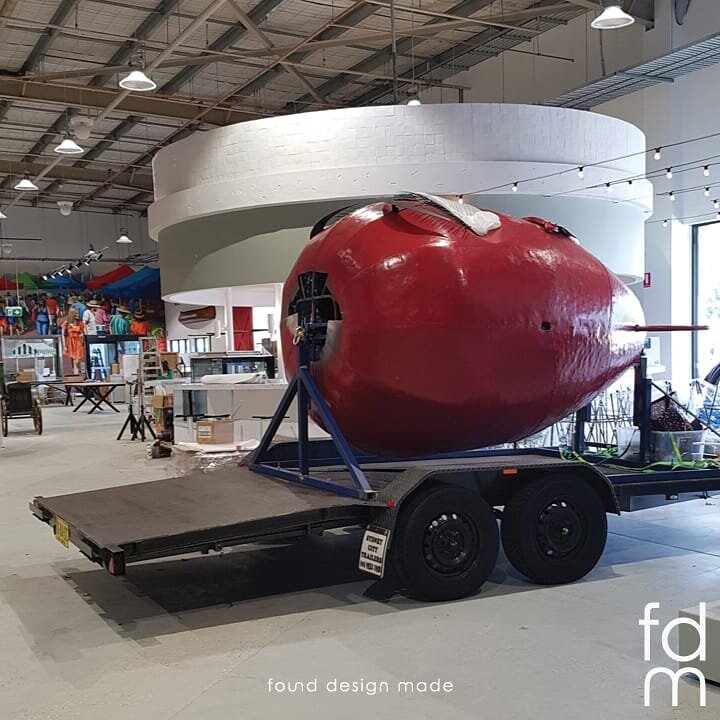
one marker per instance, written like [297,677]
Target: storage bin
[661,445]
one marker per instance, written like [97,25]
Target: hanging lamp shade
[26,185]
[137,80]
[612,18]
[69,147]
[123,239]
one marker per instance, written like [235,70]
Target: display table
[98,393]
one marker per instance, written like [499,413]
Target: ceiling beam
[485,22]
[176,43]
[454,56]
[260,36]
[141,181]
[6,10]
[226,40]
[598,6]
[100,98]
[43,44]
[356,13]
[403,45]
[145,29]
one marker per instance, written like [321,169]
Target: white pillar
[278,319]
[229,324]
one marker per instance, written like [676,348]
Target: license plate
[373,550]
[62,532]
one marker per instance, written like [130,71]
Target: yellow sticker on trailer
[62,532]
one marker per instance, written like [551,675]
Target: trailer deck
[195,512]
[201,512]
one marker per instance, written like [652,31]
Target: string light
[461,199]
[716,204]
[707,192]
[581,172]
[665,223]
[630,182]
[668,173]
[671,195]
[515,187]
[608,187]
[706,171]
[699,163]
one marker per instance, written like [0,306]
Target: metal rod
[393,41]
[663,328]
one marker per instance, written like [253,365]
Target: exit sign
[13,311]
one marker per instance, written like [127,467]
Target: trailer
[430,525]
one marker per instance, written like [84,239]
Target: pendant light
[26,185]
[69,147]
[138,81]
[3,216]
[612,18]
[123,239]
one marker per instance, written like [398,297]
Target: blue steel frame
[303,386]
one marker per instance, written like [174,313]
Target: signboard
[14,311]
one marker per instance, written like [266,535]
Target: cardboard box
[115,369]
[171,358]
[215,432]
[26,376]
[74,378]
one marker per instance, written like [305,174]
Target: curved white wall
[296,161]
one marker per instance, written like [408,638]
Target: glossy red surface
[450,340]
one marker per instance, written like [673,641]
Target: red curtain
[242,322]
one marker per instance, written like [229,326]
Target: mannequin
[74,336]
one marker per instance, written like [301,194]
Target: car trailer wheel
[446,543]
[554,529]
[37,418]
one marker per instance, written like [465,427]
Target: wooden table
[97,392]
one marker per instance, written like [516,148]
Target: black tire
[554,529]
[37,419]
[446,543]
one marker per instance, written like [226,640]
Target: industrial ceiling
[218,62]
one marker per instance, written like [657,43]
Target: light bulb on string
[668,173]
[665,223]
[706,192]
[658,153]
[716,204]
[515,187]
[608,187]
[706,171]
[671,195]
[581,172]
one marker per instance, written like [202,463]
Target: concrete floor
[200,637]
